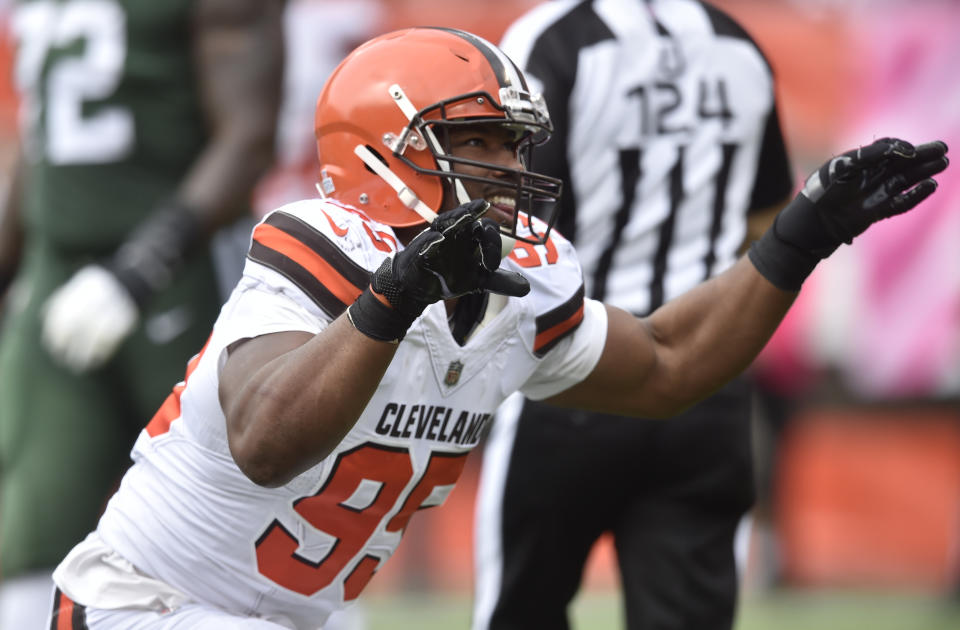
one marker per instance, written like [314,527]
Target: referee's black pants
[672,493]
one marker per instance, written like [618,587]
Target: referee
[670,149]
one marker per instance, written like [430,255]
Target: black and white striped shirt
[667,114]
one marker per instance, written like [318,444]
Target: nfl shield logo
[453,373]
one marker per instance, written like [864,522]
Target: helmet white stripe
[503,66]
[407,196]
[512,74]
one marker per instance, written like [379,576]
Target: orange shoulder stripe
[300,253]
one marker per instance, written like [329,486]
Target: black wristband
[784,265]
[805,227]
[146,262]
[377,320]
[789,251]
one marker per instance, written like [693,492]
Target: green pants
[65,438]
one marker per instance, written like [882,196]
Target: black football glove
[147,262]
[459,253]
[840,200]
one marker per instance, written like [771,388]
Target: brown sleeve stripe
[66,614]
[310,260]
[558,323]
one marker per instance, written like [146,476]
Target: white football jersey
[186,515]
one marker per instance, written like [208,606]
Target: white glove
[86,319]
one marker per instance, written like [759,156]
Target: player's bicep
[618,382]
[245,360]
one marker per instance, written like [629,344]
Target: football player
[377,328]
[144,127]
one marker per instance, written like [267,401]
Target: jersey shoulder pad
[324,248]
[556,287]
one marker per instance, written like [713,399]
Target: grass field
[778,610]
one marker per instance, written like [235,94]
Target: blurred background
[857,422]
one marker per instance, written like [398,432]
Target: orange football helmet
[383,116]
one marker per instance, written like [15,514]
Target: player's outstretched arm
[289,398]
[656,366]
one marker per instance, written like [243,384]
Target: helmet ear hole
[377,155]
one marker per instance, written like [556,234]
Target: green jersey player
[145,126]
